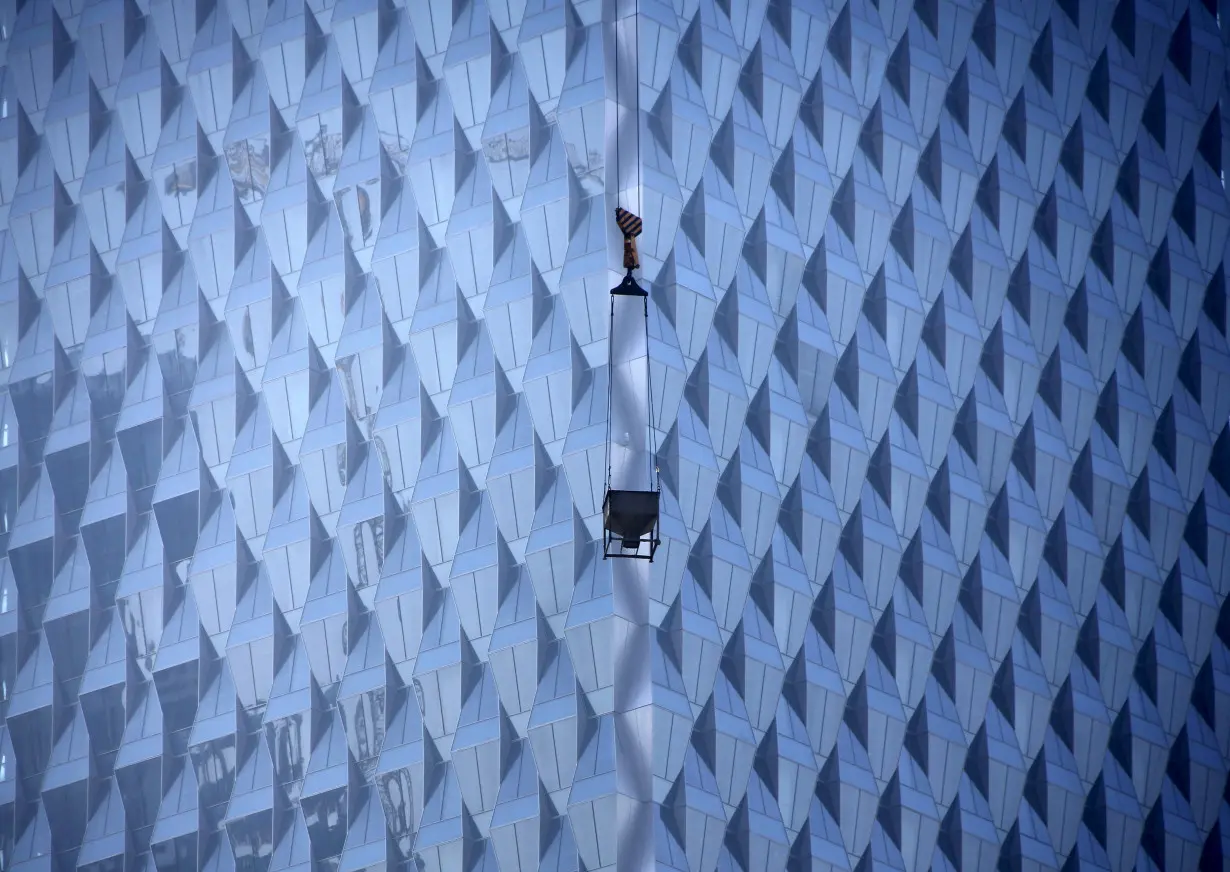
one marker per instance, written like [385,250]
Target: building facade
[310,389]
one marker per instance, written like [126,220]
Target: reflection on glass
[249,168]
[181,180]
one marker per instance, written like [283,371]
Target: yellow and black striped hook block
[630,226]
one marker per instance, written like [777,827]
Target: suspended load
[630,517]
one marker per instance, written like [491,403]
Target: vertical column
[631,460]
